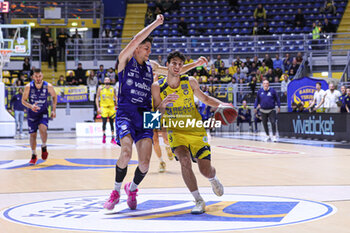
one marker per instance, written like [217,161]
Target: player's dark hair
[176,54]
[148,39]
[37,70]
[318,83]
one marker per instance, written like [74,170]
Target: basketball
[226,113]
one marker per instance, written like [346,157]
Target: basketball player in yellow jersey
[106,95]
[173,97]
[156,146]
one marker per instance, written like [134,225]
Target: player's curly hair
[174,54]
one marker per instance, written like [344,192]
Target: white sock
[43,144]
[196,195]
[211,180]
[161,159]
[117,186]
[33,152]
[133,186]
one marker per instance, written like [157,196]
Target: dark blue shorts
[131,122]
[34,120]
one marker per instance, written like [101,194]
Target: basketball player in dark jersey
[35,99]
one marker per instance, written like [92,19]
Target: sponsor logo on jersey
[129,82]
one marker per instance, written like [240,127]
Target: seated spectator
[268,61]
[293,68]
[316,30]
[300,107]
[111,75]
[263,69]
[232,69]
[252,85]
[244,115]
[160,7]
[233,5]
[264,29]
[71,80]
[166,5]
[299,58]
[328,27]
[218,62]
[270,76]
[278,66]
[80,75]
[182,27]
[248,63]
[287,62]
[26,67]
[259,76]
[294,107]
[150,16]
[238,62]
[255,30]
[329,8]
[92,80]
[253,69]
[284,75]
[227,77]
[61,82]
[260,13]
[244,69]
[239,75]
[101,73]
[299,20]
[107,33]
[284,88]
[257,61]
[175,6]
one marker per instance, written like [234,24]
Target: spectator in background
[330,99]
[263,69]
[61,82]
[328,27]
[101,74]
[239,75]
[244,115]
[167,5]
[329,8]
[299,58]
[260,13]
[92,80]
[270,76]
[232,69]
[80,75]
[160,60]
[107,33]
[347,100]
[252,85]
[160,7]
[299,20]
[265,29]
[253,70]
[342,98]
[111,75]
[175,6]
[278,66]
[233,86]
[257,61]
[222,69]
[182,27]
[255,30]
[287,62]
[26,67]
[293,68]
[244,69]
[51,48]
[268,61]
[266,101]
[218,62]
[233,5]
[44,39]
[248,63]
[70,79]
[316,30]
[238,62]
[18,108]
[62,38]
[188,59]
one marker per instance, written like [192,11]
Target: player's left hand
[201,61]
[53,114]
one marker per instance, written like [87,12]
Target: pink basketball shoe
[112,201]
[132,202]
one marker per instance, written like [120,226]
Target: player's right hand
[99,110]
[171,98]
[35,108]
[160,19]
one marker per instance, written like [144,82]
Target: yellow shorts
[197,143]
[108,111]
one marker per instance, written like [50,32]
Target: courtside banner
[330,126]
[71,94]
[302,90]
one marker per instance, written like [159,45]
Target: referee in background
[266,101]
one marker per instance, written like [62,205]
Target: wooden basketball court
[79,167]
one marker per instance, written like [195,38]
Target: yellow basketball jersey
[107,96]
[181,115]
